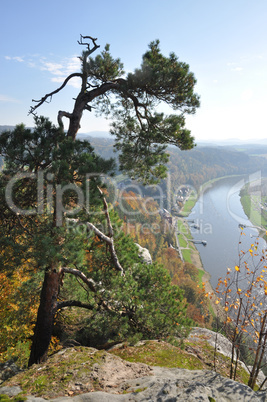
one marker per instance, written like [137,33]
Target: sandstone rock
[144,254]
[170,385]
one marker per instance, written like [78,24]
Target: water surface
[218,212]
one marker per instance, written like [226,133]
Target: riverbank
[254,203]
[191,254]
[193,196]
[215,232]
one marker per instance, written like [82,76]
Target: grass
[188,206]
[182,241]
[159,353]
[187,255]
[250,204]
[200,277]
[60,373]
[195,355]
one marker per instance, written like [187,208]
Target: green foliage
[56,163]
[143,304]
[103,67]
[142,136]
[164,78]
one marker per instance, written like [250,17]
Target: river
[218,213]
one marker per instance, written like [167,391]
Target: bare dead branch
[44,98]
[110,229]
[60,115]
[107,239]
[89,282]
[89,51]
[92,286]
[110,243]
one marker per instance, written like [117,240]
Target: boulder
[144,254]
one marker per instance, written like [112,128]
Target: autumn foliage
[243,297]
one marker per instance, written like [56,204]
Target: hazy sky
[224,42]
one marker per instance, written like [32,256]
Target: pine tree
[45,220]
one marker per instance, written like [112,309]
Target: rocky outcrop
[144,254]
[165,384]
[215,339]
[86,374]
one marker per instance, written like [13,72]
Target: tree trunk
[45,317]
[76,115]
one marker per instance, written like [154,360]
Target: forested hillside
[198,165]
[201,164]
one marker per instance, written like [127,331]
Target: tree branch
[107,239]
[92,286]
[44,98]
[89,282]
[60,115]
[89,51]
[73,303]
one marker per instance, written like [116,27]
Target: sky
[224,42]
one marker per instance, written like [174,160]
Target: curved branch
[60,115]
[44,98]
[89,282]
[89,51]
[92,286]
[73,303]
[107,239]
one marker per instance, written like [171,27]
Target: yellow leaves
[237,268]
[217,301]
[226,308]
[14,306]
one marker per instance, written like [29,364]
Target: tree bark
[45,316]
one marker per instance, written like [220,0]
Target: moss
[161,354]
[4,398]
[17,398]
[59,373]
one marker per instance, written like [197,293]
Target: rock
[10,391]
[8,370]
[170,385]
[261,376]
[104,377]
[223,345]
[144,254]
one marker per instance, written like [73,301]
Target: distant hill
[6,128]
[198,165]
[232,142]
[201,164]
